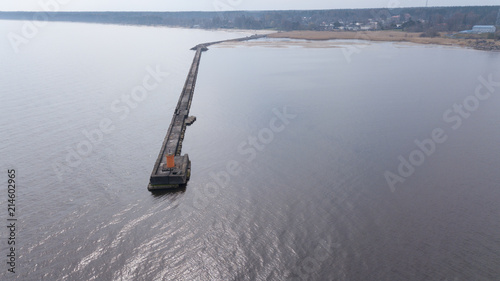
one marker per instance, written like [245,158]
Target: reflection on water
[169,194]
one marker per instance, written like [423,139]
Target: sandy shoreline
[393,36]
[288,44]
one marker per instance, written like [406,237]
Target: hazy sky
[217,5]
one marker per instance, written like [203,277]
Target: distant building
[484,29]
[478,29]
[396,19]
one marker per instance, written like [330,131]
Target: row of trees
[410,19]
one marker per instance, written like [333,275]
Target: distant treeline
[410,19]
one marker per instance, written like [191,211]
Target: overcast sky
[217,5]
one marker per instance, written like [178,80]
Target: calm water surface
[308,199]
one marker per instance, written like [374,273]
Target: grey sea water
[301,197]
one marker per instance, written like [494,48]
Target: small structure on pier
[190,120]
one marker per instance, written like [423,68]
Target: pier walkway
[172,170]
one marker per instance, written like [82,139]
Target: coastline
[390,36]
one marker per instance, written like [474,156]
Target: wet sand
[290,43]
[389,35]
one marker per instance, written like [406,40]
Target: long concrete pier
[172,170]
[164,177]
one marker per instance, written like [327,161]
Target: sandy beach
[389,35]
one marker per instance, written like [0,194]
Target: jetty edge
[173,170]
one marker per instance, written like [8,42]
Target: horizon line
[263,10]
